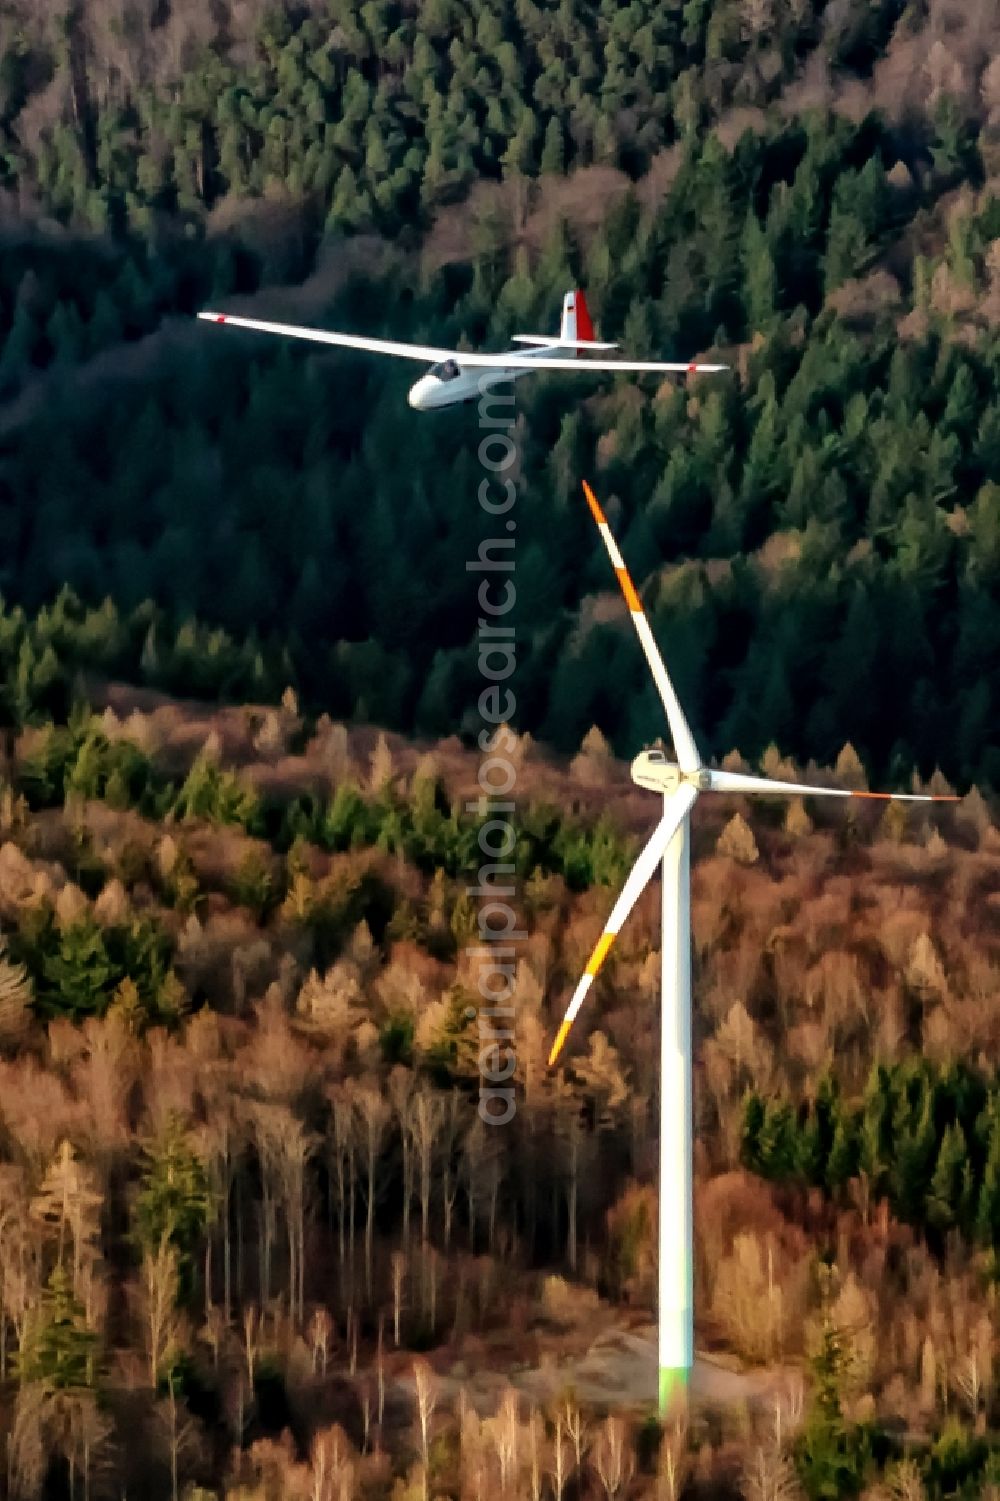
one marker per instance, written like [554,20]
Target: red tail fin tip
[584,327]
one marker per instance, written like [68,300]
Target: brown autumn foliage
[358,1210]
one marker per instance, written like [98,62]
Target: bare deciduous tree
[373,1120]
[219,1144]
[320,1333]
[18,1272]
[332,1472]
[16,993]
[86,1431]
[450,1123]
[424,1123]
[398,1278]
[576,1430]
[768,1475]
[505,1432]
[180,1433]
[27,1453]
[69,1201]
[559,1456]
[252,1329]
[425,1388]
[478,1172]
[969,1379]
[534,1455]
[750,1300]
[103,1077]
[400,1090]
[613,1459]
[159,1284]
[342,1146]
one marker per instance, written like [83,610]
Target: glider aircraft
[456,375]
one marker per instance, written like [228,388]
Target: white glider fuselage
[449,383]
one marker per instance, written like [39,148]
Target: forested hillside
[383,111]
[255,1241]
[807,189]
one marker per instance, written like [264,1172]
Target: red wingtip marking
[584,327]
[692,369]
[886,797]
[221,318]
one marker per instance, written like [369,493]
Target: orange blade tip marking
[561,1036]
[594,505]
[628,589]
[600,953]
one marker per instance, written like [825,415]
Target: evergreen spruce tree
[842,1163]
[58,1348]
[987,1222]
[78,980]
[753,1122]
[832,1456]
[173,1199]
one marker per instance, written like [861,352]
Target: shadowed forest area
[808,190]
[255,1243]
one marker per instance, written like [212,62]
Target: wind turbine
[679,785]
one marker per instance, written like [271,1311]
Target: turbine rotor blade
[737,781]
[684,747]
[678,805]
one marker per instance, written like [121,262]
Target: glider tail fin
[576,325]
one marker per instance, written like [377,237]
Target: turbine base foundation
[674,1386]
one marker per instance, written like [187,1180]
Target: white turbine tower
[679,786]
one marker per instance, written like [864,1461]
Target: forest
[818,534]
[256,1244]
[248,1209]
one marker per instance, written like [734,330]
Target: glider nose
[419,394]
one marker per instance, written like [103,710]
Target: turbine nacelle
[652,770]
[655,773]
